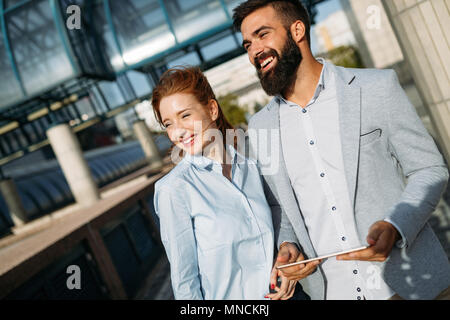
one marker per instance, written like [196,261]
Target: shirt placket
[251,218]
[330,198]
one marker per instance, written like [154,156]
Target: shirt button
[355,271]
[322,174]
[311,142]
[358,289]
[359,298]
[343,238]
[304,110]
[333,208]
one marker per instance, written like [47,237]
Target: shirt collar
[203,162]
[320,85]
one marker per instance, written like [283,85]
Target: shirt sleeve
[178,238]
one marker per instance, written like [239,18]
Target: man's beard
[282,76]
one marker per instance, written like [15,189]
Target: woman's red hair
[187,80]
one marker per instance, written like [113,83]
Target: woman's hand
[285,291]
[287,253]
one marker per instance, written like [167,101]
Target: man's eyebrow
[256,32]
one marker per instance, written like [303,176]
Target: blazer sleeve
[177,235]
[422,164]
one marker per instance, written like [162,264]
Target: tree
[234,113]
[344,56]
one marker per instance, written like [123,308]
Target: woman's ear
[213,109]
[298,31]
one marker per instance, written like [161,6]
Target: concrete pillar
[423,31]
[75,168]
[145,138]
[13,201]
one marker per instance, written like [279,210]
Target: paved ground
[158,285]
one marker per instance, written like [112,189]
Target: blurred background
[80,149]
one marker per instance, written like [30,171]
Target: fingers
[381,238]
[365,254]
[284,292]
[287,254]
[373,253]
[281,291]
[300,257]
[283,255]
[273,277]
[290,292]
[375,232]
[300,272]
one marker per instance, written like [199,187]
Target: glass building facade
[39,50]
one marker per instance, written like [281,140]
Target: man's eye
[263,34]
[246,47]
[186,115]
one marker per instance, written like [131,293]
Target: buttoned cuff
[402,242]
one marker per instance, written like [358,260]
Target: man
[355,167]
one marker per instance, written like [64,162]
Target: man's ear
[298,31]
[213,109]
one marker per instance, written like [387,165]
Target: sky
[324,9]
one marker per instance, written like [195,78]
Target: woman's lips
[188,142]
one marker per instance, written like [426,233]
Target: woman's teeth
[187,141]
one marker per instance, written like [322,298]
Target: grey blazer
[393,170]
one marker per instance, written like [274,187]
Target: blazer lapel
[349,100]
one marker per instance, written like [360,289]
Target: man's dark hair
[289,11]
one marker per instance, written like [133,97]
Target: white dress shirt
[311,144]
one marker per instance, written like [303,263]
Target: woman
[216,225]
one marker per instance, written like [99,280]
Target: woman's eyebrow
[179,112]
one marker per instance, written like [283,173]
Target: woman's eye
[166,125]
[186,115]
[263,34]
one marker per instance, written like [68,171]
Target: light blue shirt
[218,234]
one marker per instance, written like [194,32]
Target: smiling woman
[184,103]
[215,222]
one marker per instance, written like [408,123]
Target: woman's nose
[178,133]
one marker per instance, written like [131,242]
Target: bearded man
[355,167]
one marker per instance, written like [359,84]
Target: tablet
[322,257]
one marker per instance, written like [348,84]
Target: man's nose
[256,50]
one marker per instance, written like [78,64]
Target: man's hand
[289,253]
[381,238]
[300,271]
